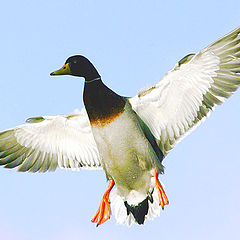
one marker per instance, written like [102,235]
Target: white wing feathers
[64,140]
[187,94]
[171,109]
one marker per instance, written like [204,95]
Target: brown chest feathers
[102,104]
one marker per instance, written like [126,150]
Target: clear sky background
[132,44]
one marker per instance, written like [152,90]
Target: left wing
[187,94]
[48,142]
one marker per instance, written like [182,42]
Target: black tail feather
[139,212]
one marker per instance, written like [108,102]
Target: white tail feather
[119,210]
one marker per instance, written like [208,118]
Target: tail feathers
[139,212]
[128,214]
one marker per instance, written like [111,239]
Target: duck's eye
[64,67]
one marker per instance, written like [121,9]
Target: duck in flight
[127,137]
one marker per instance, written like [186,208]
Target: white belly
[127,155]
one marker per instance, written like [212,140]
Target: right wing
[186,95]
[48,142]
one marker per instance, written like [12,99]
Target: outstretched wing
[188,93]
[47,142]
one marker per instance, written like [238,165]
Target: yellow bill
[65,70]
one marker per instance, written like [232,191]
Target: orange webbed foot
[103,213]
[163,200]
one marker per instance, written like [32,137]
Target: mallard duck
[127,137]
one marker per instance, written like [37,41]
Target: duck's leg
[103,213]
[163,200]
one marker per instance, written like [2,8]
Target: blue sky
[132,44]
